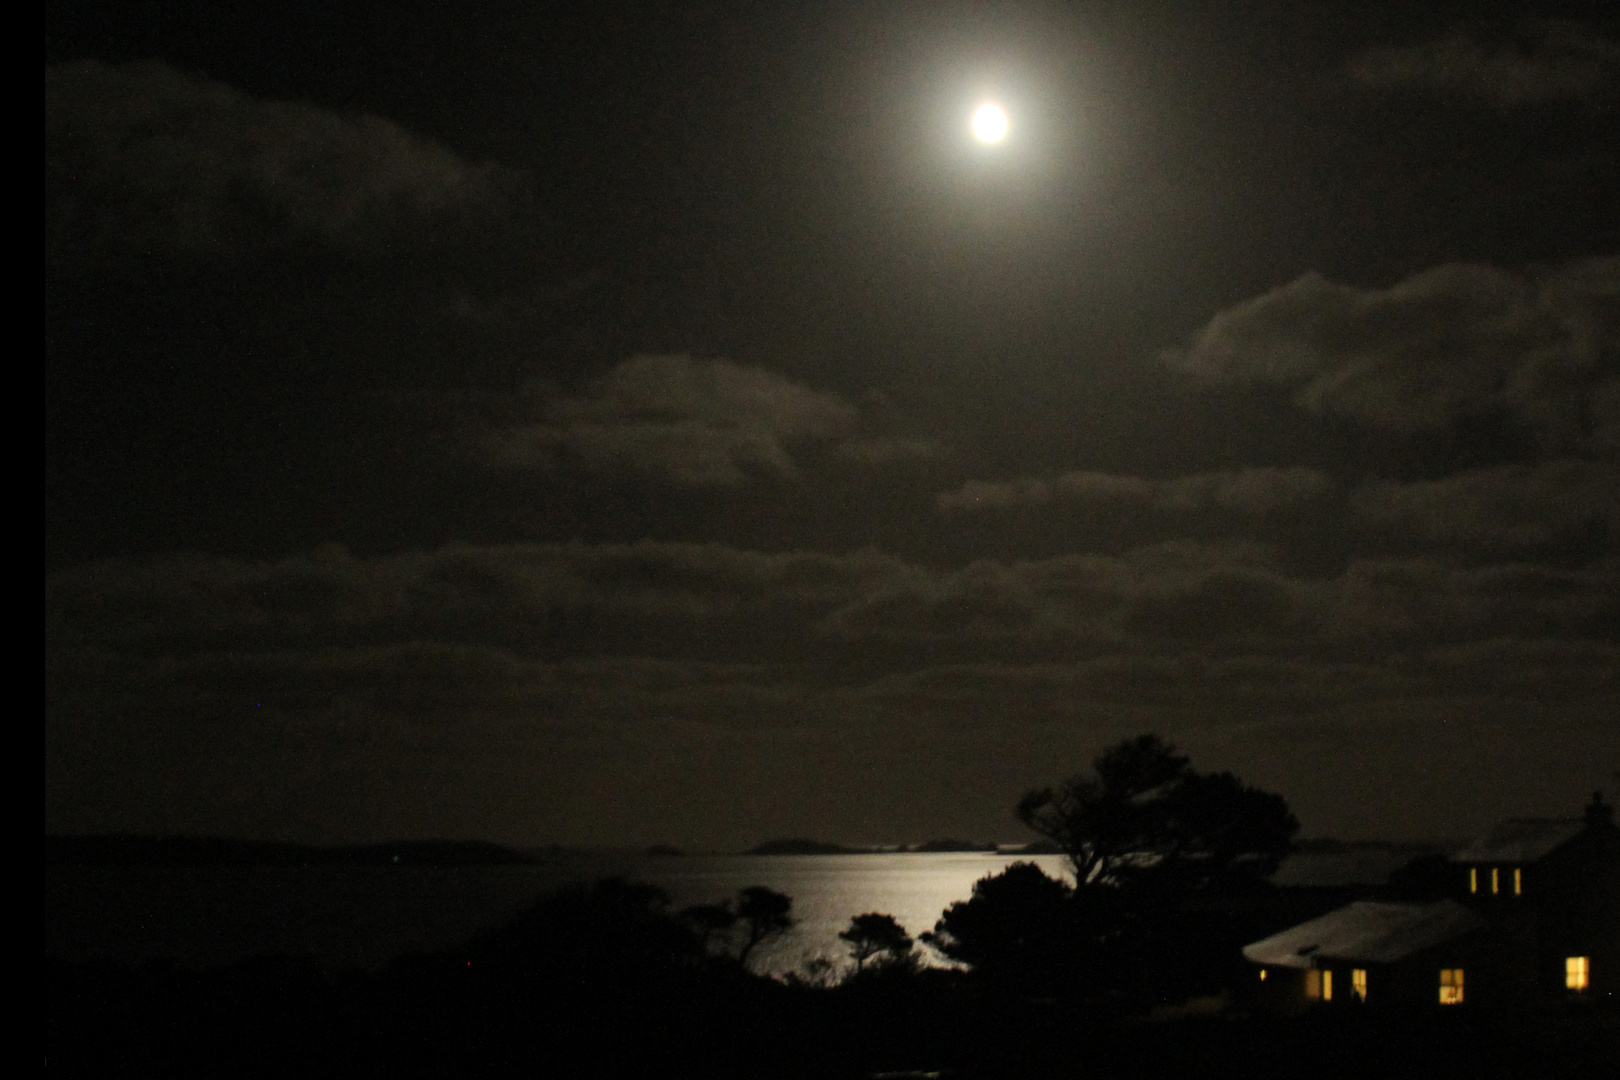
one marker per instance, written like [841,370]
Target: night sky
[608,423]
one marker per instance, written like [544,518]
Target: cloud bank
[693,423]
[1252,492]
[1458,342]
[524,677]
[141,155]
[1546,61]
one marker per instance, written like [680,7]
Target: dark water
[362,916]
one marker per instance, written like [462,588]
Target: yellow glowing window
[1518,882]
[1496,880]
[1451,986]
[1473,879]
[1262,974]
[1577,972]
[1358,983]
[1327,986]
[1313,984]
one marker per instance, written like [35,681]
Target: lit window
[1327,986]
[1358,983]
[1518,882]
[1313,984]
[1473,879]
[1496,881]
[1577,972]
[1451,986]
[1262,974]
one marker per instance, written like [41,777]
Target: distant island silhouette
[799,845]
[176,851]
[803,846]
[122,849]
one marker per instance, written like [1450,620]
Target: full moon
[990,123]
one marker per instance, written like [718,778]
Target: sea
[361,917]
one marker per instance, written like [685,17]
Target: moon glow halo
[989,123]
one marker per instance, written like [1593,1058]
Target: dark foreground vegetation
[598,982]
[1128,971]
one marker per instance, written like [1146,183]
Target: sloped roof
[1340,869]
[1366,932]
[1523,840]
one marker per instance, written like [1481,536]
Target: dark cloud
[1454,343]
[1562,505]
[142,156]
[538,598]
[1541,61]
[1605,414]
[1401,604]
[880,450]
[697,423]
[1254,491]
[652,599]
[1504,509]
[524,676]
[1229,691]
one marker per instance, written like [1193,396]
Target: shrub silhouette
[590,933]
[710,922]
[1021,930]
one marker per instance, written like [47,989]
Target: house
[1368,951]
[1552,889]
[1533,915]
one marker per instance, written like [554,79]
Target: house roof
[1524,840]
[1340,869]
[1367,932]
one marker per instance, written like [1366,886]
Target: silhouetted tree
[764,914]
[1162,857]
[1144,821]
[876,936]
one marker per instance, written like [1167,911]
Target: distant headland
[804,846]
[120,849]
[170,851]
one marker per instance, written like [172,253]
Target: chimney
[1599,814]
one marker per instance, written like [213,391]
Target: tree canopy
[876,936]
[1019,929]
[764,914]
[1144,820]
[1149,841]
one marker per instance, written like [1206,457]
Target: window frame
[1452,986]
